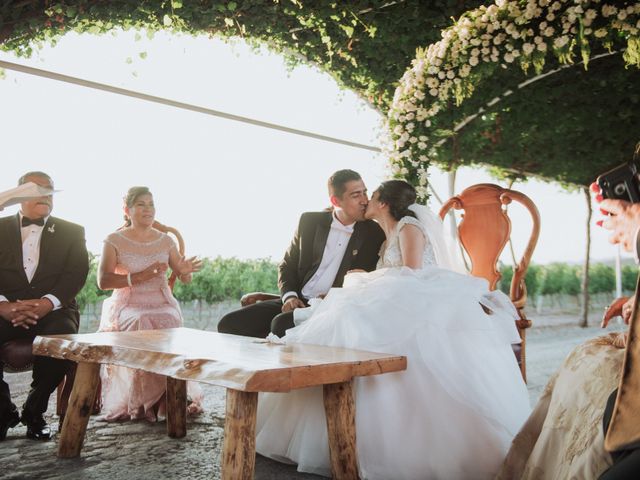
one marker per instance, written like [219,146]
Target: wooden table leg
[340,411]
[79,410]
[176,407]
[239,446]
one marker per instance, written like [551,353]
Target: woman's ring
[155,270]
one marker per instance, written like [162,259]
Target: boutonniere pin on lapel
[52,228]
[355,252]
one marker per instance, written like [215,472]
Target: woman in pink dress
[134,262]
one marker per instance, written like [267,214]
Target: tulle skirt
[451,415]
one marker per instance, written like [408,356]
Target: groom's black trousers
[257,320]
[626,462]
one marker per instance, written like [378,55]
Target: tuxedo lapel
[14,241]
[355,242]
[46,240]
[319,242]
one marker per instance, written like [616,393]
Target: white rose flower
[433,92]
[427,123]
[528,48]
[542,47]
[590,14]
[508,57]
[422,145]
[622,14]
[473,61]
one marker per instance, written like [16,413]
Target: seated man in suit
[43,265]
[325,246]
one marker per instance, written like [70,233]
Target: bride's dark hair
[130,198]
[398,194]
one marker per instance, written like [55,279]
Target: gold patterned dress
[563,437]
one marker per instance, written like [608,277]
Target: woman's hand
[627,309]
[152,271]
[189,265]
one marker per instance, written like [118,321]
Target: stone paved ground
[139,450]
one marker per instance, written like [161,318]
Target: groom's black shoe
[8,420]
[37,428]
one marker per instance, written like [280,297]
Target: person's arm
[76,269]
[412,243]
[109,280]
[288,281]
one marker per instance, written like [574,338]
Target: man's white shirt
[31,238]
[334,250]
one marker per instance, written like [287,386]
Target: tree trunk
[584,321]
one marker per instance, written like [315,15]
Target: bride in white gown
[453,413]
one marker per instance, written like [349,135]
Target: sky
[231,189]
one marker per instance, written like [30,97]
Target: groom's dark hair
[337,181]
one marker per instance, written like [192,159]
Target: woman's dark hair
[130,199]
[398,194]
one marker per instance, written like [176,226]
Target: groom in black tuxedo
[325,246]
[43,265]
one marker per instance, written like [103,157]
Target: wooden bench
[244,365]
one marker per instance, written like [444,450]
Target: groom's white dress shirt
[334,250]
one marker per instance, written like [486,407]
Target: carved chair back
[484,231]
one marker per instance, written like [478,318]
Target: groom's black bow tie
[27,221]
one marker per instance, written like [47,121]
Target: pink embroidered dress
[128,393]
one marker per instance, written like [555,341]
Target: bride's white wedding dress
[451,415]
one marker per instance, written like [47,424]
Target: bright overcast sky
[231,189]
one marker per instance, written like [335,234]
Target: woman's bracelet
[129,279]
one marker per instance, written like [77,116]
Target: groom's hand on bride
[291,304]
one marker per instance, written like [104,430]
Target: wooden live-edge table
[244,365]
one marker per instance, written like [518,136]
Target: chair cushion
[16,355]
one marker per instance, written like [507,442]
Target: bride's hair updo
[130,199]
[398,194]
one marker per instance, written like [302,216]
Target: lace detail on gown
[390,254]
[127,393]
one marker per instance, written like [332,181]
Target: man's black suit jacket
[304,255]
[62,267]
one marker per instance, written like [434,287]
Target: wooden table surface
[244,365]
[233,361]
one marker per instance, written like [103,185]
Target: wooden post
[81,403]
[340,411]
[176,407]
[239,446]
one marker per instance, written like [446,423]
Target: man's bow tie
[27,221]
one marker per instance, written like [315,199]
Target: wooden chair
[484,232]
[17,357]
